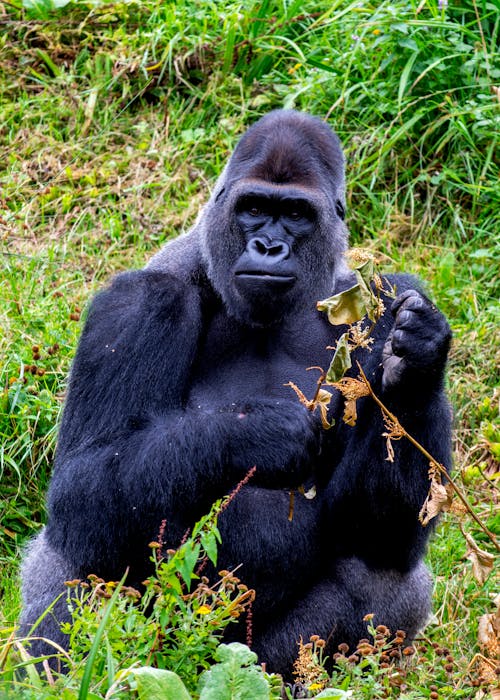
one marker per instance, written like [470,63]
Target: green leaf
[188,560]
[334,694]
[345,307]
[341,361]
[158,684]
[236,677]
[47,5]
[209,544]
[364,273]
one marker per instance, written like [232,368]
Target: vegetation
[115,119]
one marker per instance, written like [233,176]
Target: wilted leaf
[365,273]
[487,636]
[158,684]
[350,414]
[390,451]
[346,307]
[352,390]
[394,432]
[323,403]
[341,361]
[482,562]
[438,500]
[310,494]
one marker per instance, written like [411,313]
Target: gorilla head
[272,235]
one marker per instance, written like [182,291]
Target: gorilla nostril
[278,249]
[259,247]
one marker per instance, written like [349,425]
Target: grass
[115,119]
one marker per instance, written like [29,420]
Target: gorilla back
[178,388]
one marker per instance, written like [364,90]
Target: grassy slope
[113,124]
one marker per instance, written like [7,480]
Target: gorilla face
[273,233]
[272,226]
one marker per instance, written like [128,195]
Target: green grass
[115,119]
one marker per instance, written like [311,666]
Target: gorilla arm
[372,540]
[406,370]
[130,455]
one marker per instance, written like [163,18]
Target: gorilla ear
[340,209]
[219,194]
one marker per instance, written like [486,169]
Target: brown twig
[319,384]
[430,458]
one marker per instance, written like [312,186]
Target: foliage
[124,643]
[115,119]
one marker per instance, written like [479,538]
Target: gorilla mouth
[262,286]
[266,277]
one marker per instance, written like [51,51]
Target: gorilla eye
[295,215]
[255,211]
[340,209]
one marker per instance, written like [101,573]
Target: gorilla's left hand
[418,342]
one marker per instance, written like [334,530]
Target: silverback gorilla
[178,389]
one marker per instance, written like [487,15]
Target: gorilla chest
[236,364]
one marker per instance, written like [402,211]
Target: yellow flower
[204,610]
[316,686]
[377,32]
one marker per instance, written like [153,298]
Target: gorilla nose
[273,251]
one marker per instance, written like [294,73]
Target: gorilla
[178,388]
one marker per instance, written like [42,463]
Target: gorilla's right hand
[280,437]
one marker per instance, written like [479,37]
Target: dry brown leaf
[487,636]
[390,449]
[438,499]
[350,413]
[482,562]
[394,432]
[323,403]
[352,390]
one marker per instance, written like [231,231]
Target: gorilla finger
[405,318]
[404,299]
[399,341]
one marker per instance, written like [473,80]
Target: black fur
[178,388]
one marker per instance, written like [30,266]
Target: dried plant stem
[319,385]
[431,459]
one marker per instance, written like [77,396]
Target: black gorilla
[178,389]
